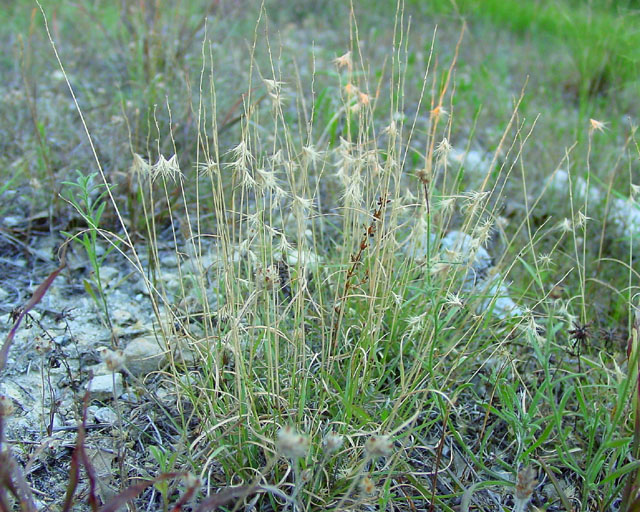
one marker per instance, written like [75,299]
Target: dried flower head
[424,175]
[291,444]
[6,406]
[113,359]
[378,446]
[42,345]
[333,442]
[525,484]
[367,485]
[267,278]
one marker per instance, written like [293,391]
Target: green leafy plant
[88,198]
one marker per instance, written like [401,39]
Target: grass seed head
[209,168]
[596,126]
[344,61]
[166,168]
[442,151]
[566,226]
[139,166]
[350,89]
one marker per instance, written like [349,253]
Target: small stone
[105,415]
[108,275]
[467,248]
[169,260]
[143,356]
[140,287]
[91,413]
[101,387]
[129,398]
[122,317]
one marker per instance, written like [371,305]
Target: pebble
[463,244]
[121,317]
[105,415]
[108,274]
[101,387]
[143,356]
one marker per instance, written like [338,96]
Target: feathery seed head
[166,168]
[565,225]
[139,166]
[442,151]
[545,260]
[273,86]
[208,168]
[392,129]
[438,112]
[596,126]
[311,154]
[266,179]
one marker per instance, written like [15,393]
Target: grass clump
[355,319]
